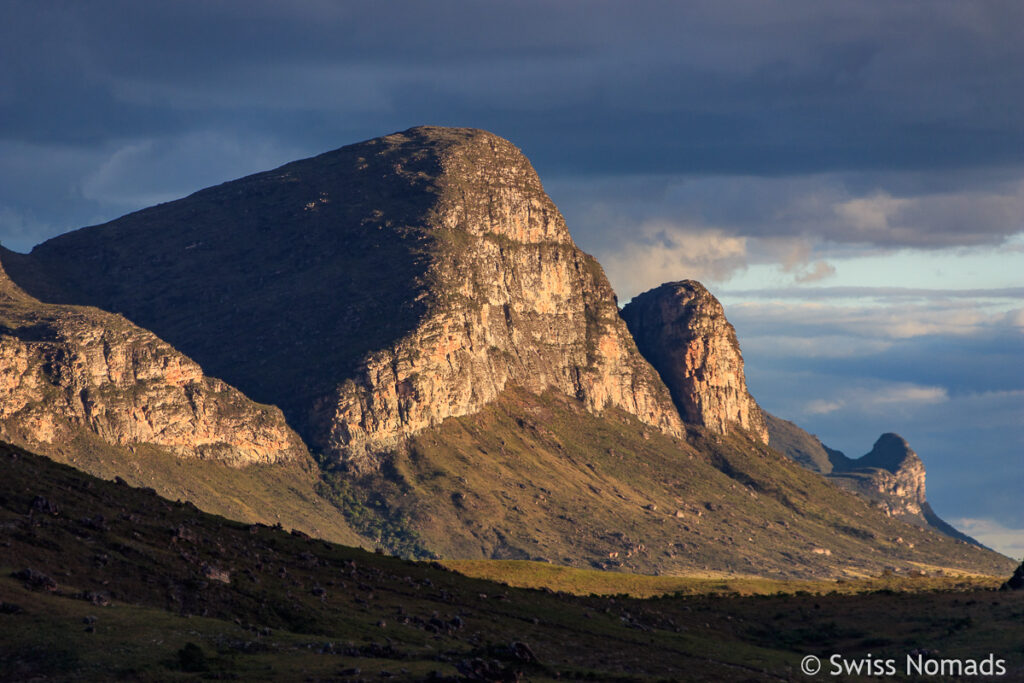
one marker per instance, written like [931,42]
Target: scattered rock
[35,580]
[96,598]
[216,573]
[522,652]
[10,608]
[45,506]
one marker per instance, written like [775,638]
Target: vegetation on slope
[539,478]
[101,581]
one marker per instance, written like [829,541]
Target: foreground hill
[417,308]
[101,581]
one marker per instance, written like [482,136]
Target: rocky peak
[372,291]
[891,452]
[681,328]
[891,474]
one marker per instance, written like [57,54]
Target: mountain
[805,448]
[91,389]
[891,476]
[416,307]
[370,292]
[682,330]
[1015,582]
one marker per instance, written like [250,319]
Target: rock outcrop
[682,330]
[1015,582]
[891,476]
[371,292]
[68,370]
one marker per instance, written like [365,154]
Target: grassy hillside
[283,493]
[526,574]
[101,581]
[538,478]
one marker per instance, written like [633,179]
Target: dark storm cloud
[583,86]
[818,118]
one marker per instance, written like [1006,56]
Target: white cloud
[819,270]
[817,346]
[665,252]
[865,320]
[995,535]
[876,397]
[909,394]
[822,407]
[870,214]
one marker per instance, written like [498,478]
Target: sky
[847,177]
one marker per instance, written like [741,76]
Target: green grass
[526,574]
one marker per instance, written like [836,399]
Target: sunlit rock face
[682,330]
[514,302]
[370,292]
[70,371]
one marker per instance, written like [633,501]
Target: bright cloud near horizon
[847,176]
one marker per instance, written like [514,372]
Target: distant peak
[891,452]
[892,440]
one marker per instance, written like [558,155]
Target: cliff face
[513,302]
[682,330]
[66,369]
[370,292]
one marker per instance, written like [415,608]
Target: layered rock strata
[682,330]
[372,291]
[68,370]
